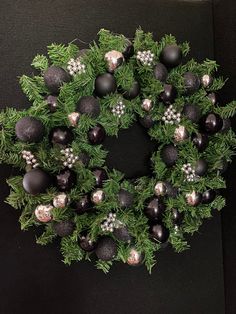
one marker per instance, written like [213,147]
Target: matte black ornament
[106,249]
[211,123]
[105,84]
[65,180]
[226,125]
[155,209]
[177,217]
[191,83]
[147,121]
[83,205]
[61,135]
[160,72]
[51,103]
[100,176]
[89,105]
[201,167]
[86,243]
[125,198]
[129,50]
[54,77]
[133,92]
[169,94]
[96,135]
[171,56]
[84,159]
[192,112]
[122,234]
[169,154]
[36,181]
[63,228]
[29,129]
[200,140]
[208,196]
[159,233]
[214,98]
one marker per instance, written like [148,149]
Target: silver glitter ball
[97,196]
[160,189]
[193,198]
[181,133]
[147,104]
[206,80]
[114,59]
[135,258]
[43,213]
[60,200]
[74,118]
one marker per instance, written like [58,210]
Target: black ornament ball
[125,198]
[133,91]
[86,244]
[169,94]
[100,176]
[54,77]
[154,209]
[177,217]
[97,134]
[191,83]
[122,234]
[29,129]
[201,167]
[169,154]
[51,101]
[105,84]
[147,121]
[171,56]
[65,180]
[160,72]
[89,105]
[83,205]
[211,123]
[208,196]
[61,135]
[63,228]
[129,50]
[36,181]
[106,249]
[159,232]
[200,140]
[192,112]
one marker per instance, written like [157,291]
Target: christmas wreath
[80,96]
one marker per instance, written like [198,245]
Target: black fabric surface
[32,278]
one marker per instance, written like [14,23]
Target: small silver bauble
[97,196]
[43,213]
[160,189]
[146,104]
[135,258]
[60,200]
[114,59]
[181,134]
[206,80]
[193,198]
[74,118]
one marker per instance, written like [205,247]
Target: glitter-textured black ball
[133,92]
[208,196]
[61,135]
[86,244]
[29,129]
[191,83]
[105,84]
[36,181]
[147,121]
[96,135]
[84,159]
[192,112]
[154,209]
[169,154]
[51,101]
[159,232]
[122,234]
[100,176]
[129,50]
[65,180]
[201,167]
[106,249]
[200,140]
[63,228]
[54,77]
[160,72]
[125,198]
[211,123]
[226,125]
[169,94]
[177,217]
[89,105]
[83,205]
[171,56]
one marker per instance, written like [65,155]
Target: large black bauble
[61,135]
[191,83]
[65,180]
[100,176]
[125,198]
[200,140]
[86,244]
[201,167]
[154,209]
[169,154]
[211,123]
[208,196]
[54,77]
[147,121]
[29,129]
[132,92]
[169,94]
[171,56]
[122,234]
[36,181]
[177,217]
[159,233]
[129,50]
[192,112]
[97,134]
[83,205]
[105,84]
[63,228]
[89,105]
[106,249]
[160,72]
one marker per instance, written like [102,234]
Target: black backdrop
[32,278]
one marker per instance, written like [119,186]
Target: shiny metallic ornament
[97,196]
[206,80]
[60,200]
[146,104]
[135,258]
[193,198]
[181,133]
[74,118]
[43,213]
[114,59]
[160,189]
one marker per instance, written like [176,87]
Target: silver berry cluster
[68,157]
[119,109]
[171,116]
[189,172]
[145,57]
[30,158]
[110,223]
[75,66]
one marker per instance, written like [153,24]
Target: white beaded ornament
[29,158]
[171,116]
[75,66]
[189,172]
[119,109]
[69,159]
[110,223]
[145,57]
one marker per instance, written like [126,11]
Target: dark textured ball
[211,123]
[208,196]
[100,176]
[201,141]
[201,167]
[83,205]
[226,125]
[133,92]
[96,135]
[63,228]
[86,244]
[125,198]
[169,94]
[61,135]
[192,112]
[106,249]
[51,103]
[128,50]
[154,209]
[105,84]
[147,121]
[54,77]
[191,83]
[159,233]
[29,129]
[122,234]
[36,181]
[65,180]
[171,56]
[84,159]
[177,217]
[89,105]
[160,72]
[169,154]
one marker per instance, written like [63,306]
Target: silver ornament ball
[160,188]
[43,213]
[97,196]
[181,134]
[60,200]
[135,258]
[114,59]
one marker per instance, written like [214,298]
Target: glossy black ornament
[128,52]
[171,56]
[51,101]
[86,244]
[83,205]
[169,154]
[61,135]
[55,77]
[105,84]
[29,129]
[36,181]
[226,125]
[177,217]
[65,180]
[133,92]
[211,123]
[100,176]
[169,94]
[192,112]
[200,140]
[106,249]
[122,234]
[147,121]
[154,209]
[208,196]
[88,105]
[159,232]
[160,72]
[96,135]
[125,198]
[201,167]
[191,83]
[63,228]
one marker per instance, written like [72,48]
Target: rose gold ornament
[114,59]
[74,118]
[147,104]
[135,258]
[180,134]
[43,213]
[60,200]
[97,196]
[193,198]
